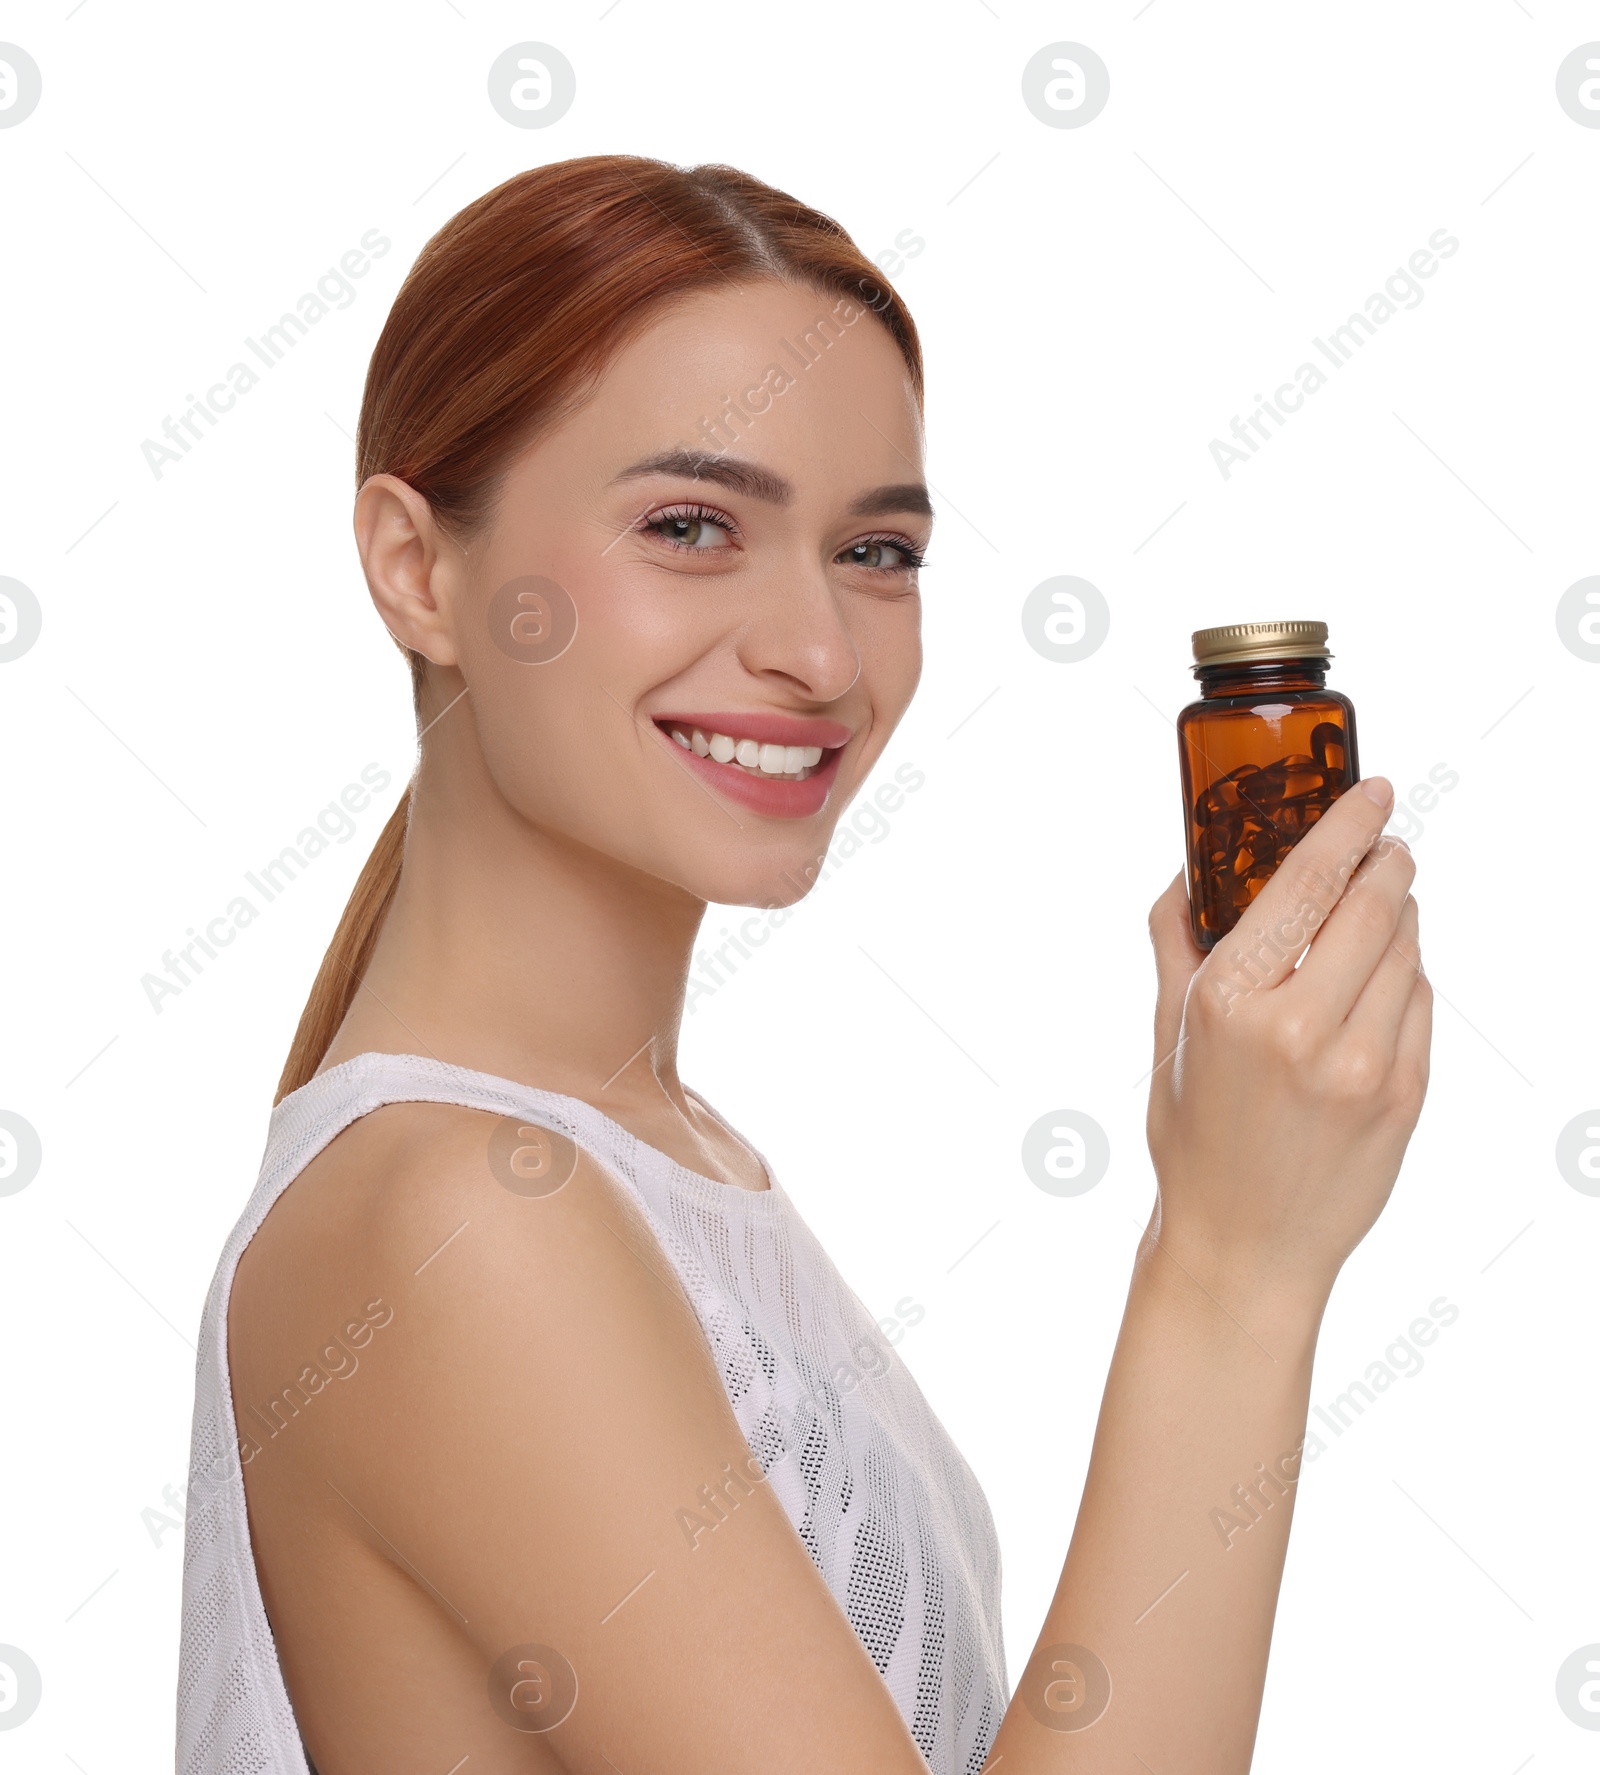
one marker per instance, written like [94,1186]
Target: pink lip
[772,796]
[770,728]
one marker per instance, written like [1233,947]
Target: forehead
[767,370]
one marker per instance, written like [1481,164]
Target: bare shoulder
[430,1212]
[520,1440]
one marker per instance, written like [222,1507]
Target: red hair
[504,323]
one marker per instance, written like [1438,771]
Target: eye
[883,554]
[695,528]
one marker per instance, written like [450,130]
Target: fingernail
[1379,789]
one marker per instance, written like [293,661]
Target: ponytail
[339,978]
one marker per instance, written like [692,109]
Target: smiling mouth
[755,758]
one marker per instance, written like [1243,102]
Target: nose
[798,635]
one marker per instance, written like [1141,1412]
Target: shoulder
[401,1184]
[453,1226]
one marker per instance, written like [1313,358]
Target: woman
[598,1464]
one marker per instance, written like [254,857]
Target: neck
[515,952]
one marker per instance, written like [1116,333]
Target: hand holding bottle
[1283,1096]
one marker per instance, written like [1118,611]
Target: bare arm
[542,1413]
[1155,1644]
[1281,1104]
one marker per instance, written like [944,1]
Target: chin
[764,880]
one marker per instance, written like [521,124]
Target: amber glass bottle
[1264,753]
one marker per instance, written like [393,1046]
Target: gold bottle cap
[1260,640]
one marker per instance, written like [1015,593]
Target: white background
[1096,304]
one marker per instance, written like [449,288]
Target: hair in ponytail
[349,952]
[508,317]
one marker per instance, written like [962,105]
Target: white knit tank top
[887,1508]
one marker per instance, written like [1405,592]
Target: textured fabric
[893,1517]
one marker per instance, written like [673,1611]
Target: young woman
[534,1431]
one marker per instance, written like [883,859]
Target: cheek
[891,657]
[542,741]
[560,737]
[641,623]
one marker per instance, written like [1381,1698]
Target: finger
[1357,934]
[1262,949]
[1177,958]
[1381,1007]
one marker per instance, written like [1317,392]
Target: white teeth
[765,757]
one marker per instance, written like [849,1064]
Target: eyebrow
[760,483]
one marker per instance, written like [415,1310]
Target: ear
[408,560]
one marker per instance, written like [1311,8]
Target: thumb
[1178,957]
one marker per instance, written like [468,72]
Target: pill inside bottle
[1264,753]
